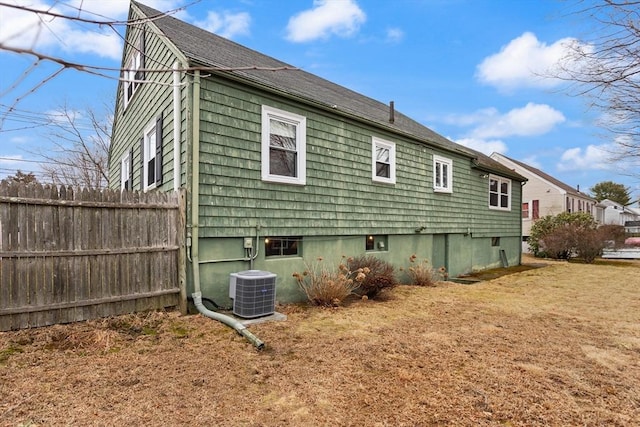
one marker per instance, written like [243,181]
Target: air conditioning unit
[253,293]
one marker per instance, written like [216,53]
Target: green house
[281,166]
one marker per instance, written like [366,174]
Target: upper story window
[535,209]
[152,155]
[442,174]
[499,193]
[525,210]
[284,143]
[134,69]
[126,172]
[383,161]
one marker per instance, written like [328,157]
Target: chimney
[392,112]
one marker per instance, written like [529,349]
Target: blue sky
[472,70]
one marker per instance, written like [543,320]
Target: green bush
[568,234]
[328,286]
[381,274]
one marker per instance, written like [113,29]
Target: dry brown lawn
[558,345]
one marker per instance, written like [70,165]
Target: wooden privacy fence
[68,255]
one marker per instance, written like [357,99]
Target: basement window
[376,243]
[282,246]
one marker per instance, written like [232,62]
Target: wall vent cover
[253,293]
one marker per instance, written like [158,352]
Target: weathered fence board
[69,255]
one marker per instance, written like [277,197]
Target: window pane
[383,170]
[438,174]
[493,199]
[285,130]
[151,171]
[382,154]
[493,185]
[282,162]
[504,188]
[504,201]
[445,177]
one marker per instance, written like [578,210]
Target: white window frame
[150,140]
[125,171]
[134,64]
[438,164]
[391,146]
[500,181]
[300,122]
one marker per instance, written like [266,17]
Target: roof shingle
[210,50]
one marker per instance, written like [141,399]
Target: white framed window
[133,73]
[284,141]
[499,193]
[442,174]
[151,150]
[126,176]
[383,161]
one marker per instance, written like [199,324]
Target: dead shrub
[381,274]
[326,286]
[422,273]
[614,235]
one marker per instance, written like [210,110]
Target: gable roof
[212,51]
[569,189]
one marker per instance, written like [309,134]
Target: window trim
[269,113]
[449,163]
[391,146]
[126,167]
[151,151]
[501,180]
[288,239]
[132,74]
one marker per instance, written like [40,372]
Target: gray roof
[210,50]
[569,189]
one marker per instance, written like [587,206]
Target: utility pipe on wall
[195,218]
[177,121]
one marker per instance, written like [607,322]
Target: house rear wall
[340,204]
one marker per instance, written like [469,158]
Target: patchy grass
[558,345]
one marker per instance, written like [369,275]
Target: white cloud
[524,62]
[532,119]
[484,146]
[328,17]
[395,35]
[593,157]
[226,24]
[478,116]
[28,30]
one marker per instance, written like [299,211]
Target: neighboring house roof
[210,50]
[567,188]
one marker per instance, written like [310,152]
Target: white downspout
[177,122]
[195,218]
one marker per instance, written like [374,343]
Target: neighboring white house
[544,195]
[617,214]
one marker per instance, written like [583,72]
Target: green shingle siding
[340,197]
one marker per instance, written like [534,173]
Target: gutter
[195,217]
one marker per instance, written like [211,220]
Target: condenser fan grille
[253,293]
